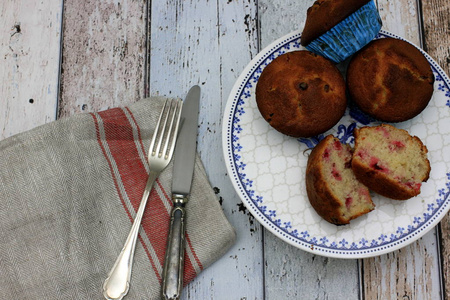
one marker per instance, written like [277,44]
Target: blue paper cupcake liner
[349,35]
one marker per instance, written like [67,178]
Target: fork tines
[162,143]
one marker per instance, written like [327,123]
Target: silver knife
[183,171]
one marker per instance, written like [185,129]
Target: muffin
[301,94]
[390,80]
[337,29]
[390,161]
[333,190]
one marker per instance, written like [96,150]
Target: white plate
[267,170]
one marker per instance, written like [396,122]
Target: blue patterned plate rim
[322,245]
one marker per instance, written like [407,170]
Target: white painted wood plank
[292,273]
[278,18]
[29,55]
[209,43]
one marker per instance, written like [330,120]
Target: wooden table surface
[59,58]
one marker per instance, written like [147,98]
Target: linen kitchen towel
[69,191]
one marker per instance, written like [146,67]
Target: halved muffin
[390,161]
[333,190]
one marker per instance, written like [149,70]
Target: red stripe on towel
[138,129]
[122,148]
[120,140]
[155,221]
[97,130]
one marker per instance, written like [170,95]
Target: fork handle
[118,282]
[174,260]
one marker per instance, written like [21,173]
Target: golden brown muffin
[301,94]
[325,14]
[333,190]
[390,161]
[390,80]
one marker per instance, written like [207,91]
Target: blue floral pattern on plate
[263,164]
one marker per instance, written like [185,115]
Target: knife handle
[174,260]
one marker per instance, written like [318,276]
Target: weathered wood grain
[278,18]
[412,272]
[409,273]
[29,56]
[209,43]
[103,55]
[291,273]
[436,24]
[402,18]
[445,255]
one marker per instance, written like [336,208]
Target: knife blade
[185,149]
[183,172]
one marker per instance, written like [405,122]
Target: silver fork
[160,153]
